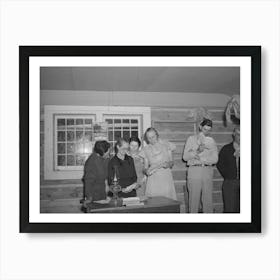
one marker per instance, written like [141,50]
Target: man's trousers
[200,187]
[231,196]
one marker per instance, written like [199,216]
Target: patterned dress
[160,183]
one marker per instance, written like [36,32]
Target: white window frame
[138,117]
[50,110]
[67,168]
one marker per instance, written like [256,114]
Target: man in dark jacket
[229,167]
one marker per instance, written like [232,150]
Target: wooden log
[178,136]
[174,126]
[219,127]
[182,115]
[59,192]
[216,114]
[217,184]
[218,207]
[180,188]
[217,197]
[179,175]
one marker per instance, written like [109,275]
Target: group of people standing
[201,155]
[141,171]
[146,170]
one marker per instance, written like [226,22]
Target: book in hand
[132,201]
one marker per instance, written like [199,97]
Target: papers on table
[132,201]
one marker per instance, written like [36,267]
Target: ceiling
[225,80]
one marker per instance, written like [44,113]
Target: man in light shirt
[201,154]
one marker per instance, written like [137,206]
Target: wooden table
[151,205]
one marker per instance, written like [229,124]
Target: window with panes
[74,137]
[123,126]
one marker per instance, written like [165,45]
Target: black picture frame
[254,52]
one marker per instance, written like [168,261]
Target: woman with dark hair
[134,149]
[158,162]
[123,164]
[95,172]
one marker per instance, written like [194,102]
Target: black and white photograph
[170,139]
[143,139]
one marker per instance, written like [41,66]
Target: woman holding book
[158,162]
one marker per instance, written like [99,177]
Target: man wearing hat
[201,154]
[229,167]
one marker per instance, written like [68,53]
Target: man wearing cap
[201,154]
[228,165]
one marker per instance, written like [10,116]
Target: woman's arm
[146,165]
[130,188]
[169,161]
[150,169]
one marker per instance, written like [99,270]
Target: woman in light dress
[134,149]
[158,162]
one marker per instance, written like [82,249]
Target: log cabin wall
[173,124]
[177,125]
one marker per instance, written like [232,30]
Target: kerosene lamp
[115,188]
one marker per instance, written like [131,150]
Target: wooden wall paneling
[173,124]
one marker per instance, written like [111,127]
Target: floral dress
[160,183]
